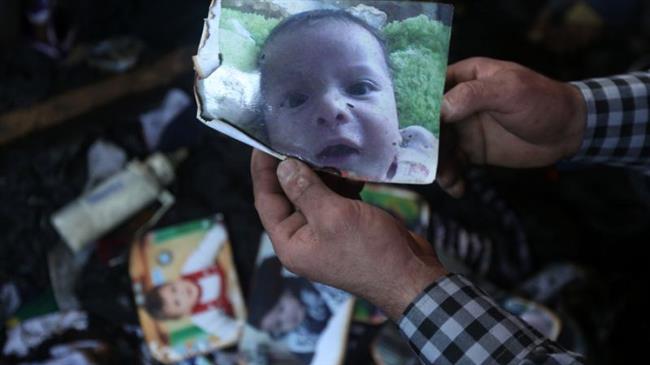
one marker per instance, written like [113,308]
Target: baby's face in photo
[285,316]
[329,98]
[179,297]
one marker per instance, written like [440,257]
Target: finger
[462,71]
[452,180]
[448,175]
[447,164]
[475,74]
[263,167]
[272,205]
[281,234]
[306,190]
[293,242]
[474,68]
[469,98]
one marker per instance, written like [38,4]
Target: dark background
[593,217]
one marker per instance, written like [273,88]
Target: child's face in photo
[179,297]
[329,98]
[286,315]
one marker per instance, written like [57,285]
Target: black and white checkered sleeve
[618,125]
[454,322]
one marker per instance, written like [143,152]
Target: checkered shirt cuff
[618,128]
[454,322]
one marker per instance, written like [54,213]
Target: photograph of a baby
[330,100]
[342,88]
[289,309]
[186,288]
[200,293]
[292,320]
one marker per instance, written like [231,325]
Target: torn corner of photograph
[228,98]
[206,61]
[229,94]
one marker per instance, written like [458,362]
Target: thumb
[305,189]
[466,99]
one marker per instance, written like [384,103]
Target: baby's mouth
[336,154]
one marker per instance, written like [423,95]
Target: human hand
[337,241]
[501,113]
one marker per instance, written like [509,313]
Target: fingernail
[445,109]
[286,170]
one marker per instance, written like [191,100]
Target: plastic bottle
[113,201]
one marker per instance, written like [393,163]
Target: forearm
[452,321]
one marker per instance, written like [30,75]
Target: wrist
[576,122]
[419,274]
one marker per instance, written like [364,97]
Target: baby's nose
[337,119]
[333,110]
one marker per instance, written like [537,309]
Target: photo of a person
[200,293]
[327,97]
[289,309]
[350,87]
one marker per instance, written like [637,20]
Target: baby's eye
[294,100]
[361,88]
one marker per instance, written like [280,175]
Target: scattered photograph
[186,288]
[292,320]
